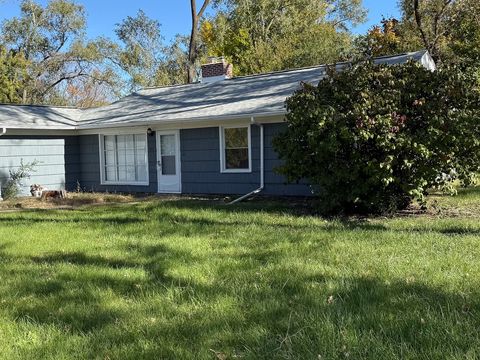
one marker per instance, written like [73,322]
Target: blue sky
[174,15]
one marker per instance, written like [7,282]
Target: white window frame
[223,168]
[101,143]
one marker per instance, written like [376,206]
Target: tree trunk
[430,44]
[193,46]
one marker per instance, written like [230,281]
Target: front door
[168,161]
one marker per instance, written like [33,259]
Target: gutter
[85,125]
[262,167]
[4,131]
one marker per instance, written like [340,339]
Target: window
[124,159]
[168,154]
[235,149]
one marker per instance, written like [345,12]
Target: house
[212,137]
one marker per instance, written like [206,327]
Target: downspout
[262,168]
[4,131]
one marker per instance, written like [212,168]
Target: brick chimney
[216,69]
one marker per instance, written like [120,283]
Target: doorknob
[159,163]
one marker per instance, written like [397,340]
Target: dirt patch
[72,201]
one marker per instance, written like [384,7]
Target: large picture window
[124,159]
[235,149]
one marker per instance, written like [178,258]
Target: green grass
[193,279]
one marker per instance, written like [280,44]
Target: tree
[448,29]
[51,39]
[86,93]
[374,137]
[383,39]
[13,75]
[193,49]
[142,50]
[174,68]
[265,35]
[465,34]
[433,32]
[143,56]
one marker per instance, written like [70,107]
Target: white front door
[168,162]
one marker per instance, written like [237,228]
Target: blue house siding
[69,161]
[90,167]
[57,156]
[200,154]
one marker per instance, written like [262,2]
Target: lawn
[195,279]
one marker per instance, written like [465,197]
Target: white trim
[102,161]
[187,123]
[178,161]
[129,128]
[223,169]
[154,125]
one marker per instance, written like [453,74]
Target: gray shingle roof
[38,117]
[258,95]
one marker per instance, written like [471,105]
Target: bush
[16,178]
[374,137]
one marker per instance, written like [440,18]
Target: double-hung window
[235,149]
[124,159]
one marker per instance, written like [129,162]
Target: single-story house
[211,137]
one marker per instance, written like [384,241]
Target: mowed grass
[195,279]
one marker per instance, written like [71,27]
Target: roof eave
[186,121]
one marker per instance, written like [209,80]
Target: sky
[174,15]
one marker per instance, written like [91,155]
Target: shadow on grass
[47,216]
[243,307]
[190,218]
[279,315]
[227,218]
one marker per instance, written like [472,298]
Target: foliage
[181,278]
[265,35]
[13,74]
[17,177]
[173,69]
[380,40]
[51,39]
[373,137]
[464,34]
[86,93]
[143,56]
[448,29]
[64,68]
[142,50]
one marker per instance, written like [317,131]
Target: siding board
[57,156]
[201,165]
[68,160]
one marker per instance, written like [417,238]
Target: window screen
[125,158]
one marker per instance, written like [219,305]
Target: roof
[254,95]
[38,117]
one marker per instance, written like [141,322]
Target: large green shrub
[372,138]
